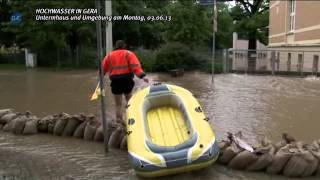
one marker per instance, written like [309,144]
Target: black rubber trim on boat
[198,109]
[131,121]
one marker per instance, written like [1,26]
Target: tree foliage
[190,23]
[225,27]
[252,19]
[147,34]
[74,42]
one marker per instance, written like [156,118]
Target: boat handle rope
[129,132]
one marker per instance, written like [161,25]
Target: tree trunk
[58,58]
[252,58]
[252,42]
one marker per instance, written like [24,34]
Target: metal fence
[16,57]
[274,62]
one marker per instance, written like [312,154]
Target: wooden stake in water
[101,75]
[214,16]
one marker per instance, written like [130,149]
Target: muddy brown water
[256,105]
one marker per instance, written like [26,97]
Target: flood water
[255,105]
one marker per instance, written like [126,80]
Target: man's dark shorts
[122,85]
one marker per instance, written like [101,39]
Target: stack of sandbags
[18,123]
[288,157]
[265,152]
[79,125]
[6,117]
[302,163]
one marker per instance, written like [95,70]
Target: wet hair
[120,44]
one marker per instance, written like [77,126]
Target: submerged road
[256,105]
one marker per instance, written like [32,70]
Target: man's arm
[105,64]
[135,65]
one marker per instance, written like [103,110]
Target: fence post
[273,59]
[224,60]
[228,60]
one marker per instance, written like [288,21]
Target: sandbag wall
[287,157]
[79,126]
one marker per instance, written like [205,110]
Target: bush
[176,55]
[147,59]
[173,56]
[218,68]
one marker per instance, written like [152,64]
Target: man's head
[120,44]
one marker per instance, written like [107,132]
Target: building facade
[294,33]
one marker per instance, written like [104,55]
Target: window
[292,12]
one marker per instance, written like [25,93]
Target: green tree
[225,26]
[148,34]
[190,23]
[6,38]
[47,38]
[252,19]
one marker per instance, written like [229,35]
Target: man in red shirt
[122,65]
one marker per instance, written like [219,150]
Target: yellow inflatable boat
[168,132]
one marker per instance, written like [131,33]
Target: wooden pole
[214,16]
[101,81]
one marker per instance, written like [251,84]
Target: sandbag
[312,166]
[111,128]
[60,125]
[5,111]
[223,145]
[8,127]
[228,153]
[280,145]
[71,126]
[301,164]
[279,160]
[79,132]
[123,144]
[8,117]
[1,126]
[99,134]
[43,123]
[263,160]
[31,127]
[18,124]
[115,138]
[90,131]
[52,122]
[316,145]
[264,141]
[243,160]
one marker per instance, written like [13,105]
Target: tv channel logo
[16,18]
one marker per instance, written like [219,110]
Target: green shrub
[218,68]
[173,56]
[147,59]
[176,55]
